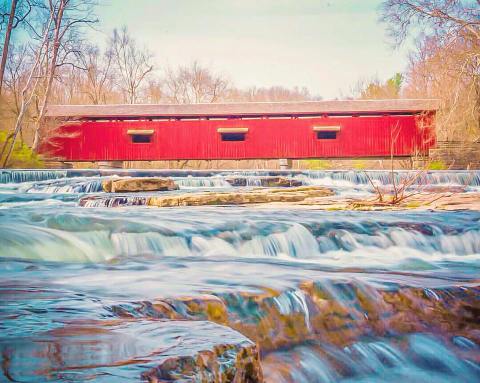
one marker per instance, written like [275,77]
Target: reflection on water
[192,294]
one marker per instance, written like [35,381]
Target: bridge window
[233,134]
[140,136]
[326,132]
[141,139]
[325,135]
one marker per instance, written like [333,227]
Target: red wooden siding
[364,136]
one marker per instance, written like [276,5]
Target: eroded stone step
[126,350]
[337,313]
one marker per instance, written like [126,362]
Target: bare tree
[16,73]
[60,24]
[28,91]
[97,77]
[68,16]
[153,92]
[195,84]
[446,63]
[448,19]
[7,42]
[273,93]
[132,63]
[17,15]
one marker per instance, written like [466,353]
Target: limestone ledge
[145,184]
[255,196]
[338,312]
[307,197]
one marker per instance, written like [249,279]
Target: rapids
[109,294]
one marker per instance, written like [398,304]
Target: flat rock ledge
[147,184]
[256,196]
[212,353]
[308,197]
[140,184]
[141,350]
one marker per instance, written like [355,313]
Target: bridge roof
[337,107]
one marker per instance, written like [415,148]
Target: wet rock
[96,201]
[141,184]
[198,307]
[338,313]
[265,182]
[442,189]
[135,350]
[222,364]
[423,201]
[258,196]
[215,354]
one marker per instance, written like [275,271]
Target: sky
[324,45]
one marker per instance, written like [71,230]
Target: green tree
[375,89]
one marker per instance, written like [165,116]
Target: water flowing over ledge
[233,294]
[470,177]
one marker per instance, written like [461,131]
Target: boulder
[141,184]
[270,181]
[280,182]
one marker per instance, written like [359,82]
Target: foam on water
[201,182]
[346,241]
[71,185]
[17,176]
[421,359]
[90,293]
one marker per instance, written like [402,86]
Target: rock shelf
[311,197]
[141,184]
[256,196]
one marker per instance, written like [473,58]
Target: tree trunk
[51,74]
[7,42]
[25,101]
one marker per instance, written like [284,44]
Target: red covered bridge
[292,130]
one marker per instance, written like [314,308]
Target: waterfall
[113,201]
[417,357]
[351,243]
[465,178]
[18,176]
[191,182]
[66,186]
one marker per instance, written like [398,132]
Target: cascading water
[16,176]
[102,293]
[72,185]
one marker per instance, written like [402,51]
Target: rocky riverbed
[238,277]
[286,193]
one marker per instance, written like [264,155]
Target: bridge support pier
[110,164]
[285,163]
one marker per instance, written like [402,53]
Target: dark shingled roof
[337,107]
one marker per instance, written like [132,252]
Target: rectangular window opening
[326,132]
[233,136]
[326,135]
[141,138]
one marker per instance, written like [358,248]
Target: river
[104,294]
